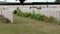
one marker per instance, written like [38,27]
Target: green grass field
[24,25]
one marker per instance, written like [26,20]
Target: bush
[15,12]
[51,19]
[33,16]
[19,13]
[27,14]
[44,18]
[37,16]
[41,17]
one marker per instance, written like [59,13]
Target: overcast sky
[31,0]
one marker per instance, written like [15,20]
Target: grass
[24,25]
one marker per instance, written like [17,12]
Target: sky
[30,0]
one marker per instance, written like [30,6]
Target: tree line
[22,1]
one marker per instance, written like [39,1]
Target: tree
[57,1]
[21,1]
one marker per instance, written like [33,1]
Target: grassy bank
[24,25]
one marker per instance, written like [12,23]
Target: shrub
[51,19]
[37,16]
[19,13]
[15,12]
[41,17]
[27,14]
[44,18]
[33,16]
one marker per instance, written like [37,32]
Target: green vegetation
[27,14]
[35,16]
[51,19]
[15,12]
[57,1]
[19,13]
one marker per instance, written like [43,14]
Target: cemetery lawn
[24,25]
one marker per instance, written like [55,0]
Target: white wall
[46,11]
